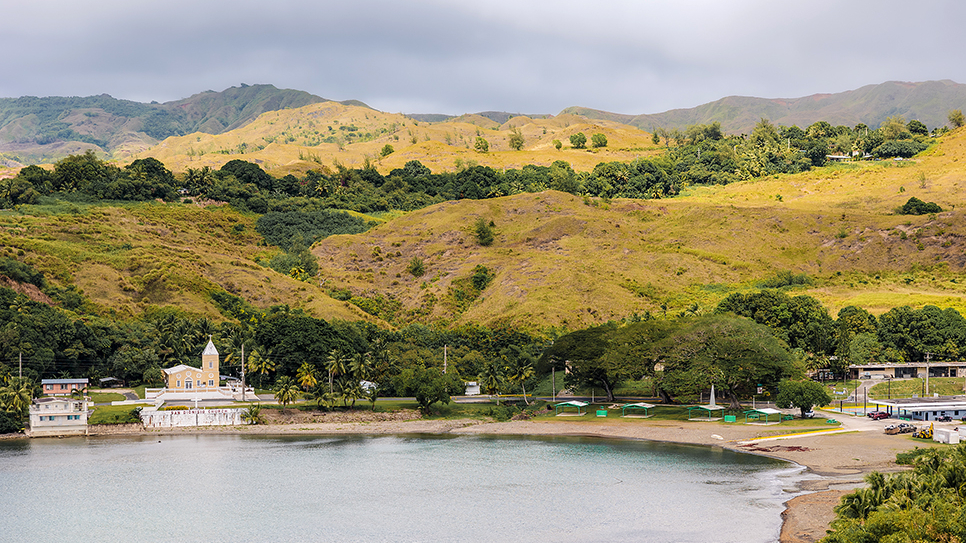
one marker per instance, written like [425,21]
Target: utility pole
[21,365]
[243,371]
[444,358]
[927,374]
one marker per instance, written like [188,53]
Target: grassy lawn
[112,414]
[106,397]
[905,388]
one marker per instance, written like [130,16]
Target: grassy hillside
[556,260]
[128,258]
[565,261]
[318,135]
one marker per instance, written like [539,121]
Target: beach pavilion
[572,403]
[635,407]
[763,413]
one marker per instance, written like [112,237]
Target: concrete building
[58,416]
[924,409]
[62,387]
[904,371]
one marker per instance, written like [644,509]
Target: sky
[454,57]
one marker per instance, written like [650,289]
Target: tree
[15,396]
[735,354]
[481,145]
[260,365]
[956,118]
[307,376]
[484,232]
[578,140]
[387,150]
[557,144]
[801,394]
[893,128]
[916,128]
[516,139]
[598,140]
[286,391]
[582,352]
[253,414]
[336,364]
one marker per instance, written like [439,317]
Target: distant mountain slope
[928,101]
[44,129]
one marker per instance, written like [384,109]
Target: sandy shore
[839,458]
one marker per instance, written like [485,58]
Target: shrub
[598,140]
[578,140]
[416,267]
[484,232]
[915,206]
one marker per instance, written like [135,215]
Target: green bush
[416,267]
[915,206]
[484,232]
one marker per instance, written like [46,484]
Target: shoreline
[838,461]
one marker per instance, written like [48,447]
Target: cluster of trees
[751,340]
[925,504]
[855,336]
[682,357]
[701,154]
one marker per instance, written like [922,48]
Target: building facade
[62,387]
[57,416]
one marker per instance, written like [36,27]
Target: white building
[58,416]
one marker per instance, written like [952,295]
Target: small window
[49,387]
[211,364]
[211,382]
[179,383]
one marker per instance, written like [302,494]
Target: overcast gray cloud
[438,56]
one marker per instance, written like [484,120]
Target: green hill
[556,259]
[928,101]
[38,130]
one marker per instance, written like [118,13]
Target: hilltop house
[183,382]
[58,416]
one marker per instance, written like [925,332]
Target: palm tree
[307,376]
[286,391]
[260,365]
[491,379]
[16,395]
[521,374]
[361,366]
[324,399]
[253,414]
[336,364]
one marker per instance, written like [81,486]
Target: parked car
[945,418]
[810,414]
[878,415]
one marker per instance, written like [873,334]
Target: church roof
[178,368]
[210,349]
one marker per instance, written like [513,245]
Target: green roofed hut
[763,413]
[635,407]
[706,412]
[572,403]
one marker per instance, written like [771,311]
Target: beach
[837,458]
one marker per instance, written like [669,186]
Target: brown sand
[841,460]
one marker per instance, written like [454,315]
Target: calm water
[387,488]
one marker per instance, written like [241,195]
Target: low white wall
[191,417]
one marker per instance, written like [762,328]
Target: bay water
[386,488]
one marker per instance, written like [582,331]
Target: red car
[878,415]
